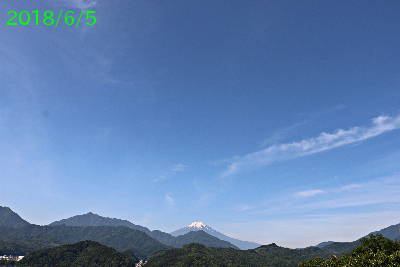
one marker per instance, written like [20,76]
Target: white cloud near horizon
[324,141]
[374,192]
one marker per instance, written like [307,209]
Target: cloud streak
[178,167]
[374,192]
[309,193]
[324,141]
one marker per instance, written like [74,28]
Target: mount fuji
[197,226]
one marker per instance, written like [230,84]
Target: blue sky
[270,121]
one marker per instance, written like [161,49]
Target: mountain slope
[10,218]
[392,232]
[196,226]
[91,219]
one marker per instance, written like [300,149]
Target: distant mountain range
[200,226]
[91,219]
[19,235]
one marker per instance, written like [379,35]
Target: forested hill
[85,253]
[118,237]
[91,219]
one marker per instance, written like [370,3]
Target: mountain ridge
[91,219]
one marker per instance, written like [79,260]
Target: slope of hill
[85,253]
[91,219]
[118,237]
[10,218]
[196,226]
[323,244]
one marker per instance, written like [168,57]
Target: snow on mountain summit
[196,224]
[199,226]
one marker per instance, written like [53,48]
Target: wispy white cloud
[325,141]
[349,187]
[309,193]
[178,167]
[170,201]
[160,178]
[282,133]
[374,192]
[242,207]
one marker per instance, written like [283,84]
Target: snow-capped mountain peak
[194,226]
[197,225]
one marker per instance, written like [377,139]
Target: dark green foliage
[130,254]
[118,237]
[20,249]
[7,263]
[199,255]
[164,238]
[338,248]
[91,219]
[85,253]
[376,243]
[10,218]
[373,251]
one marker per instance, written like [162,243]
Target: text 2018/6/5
[24,18]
